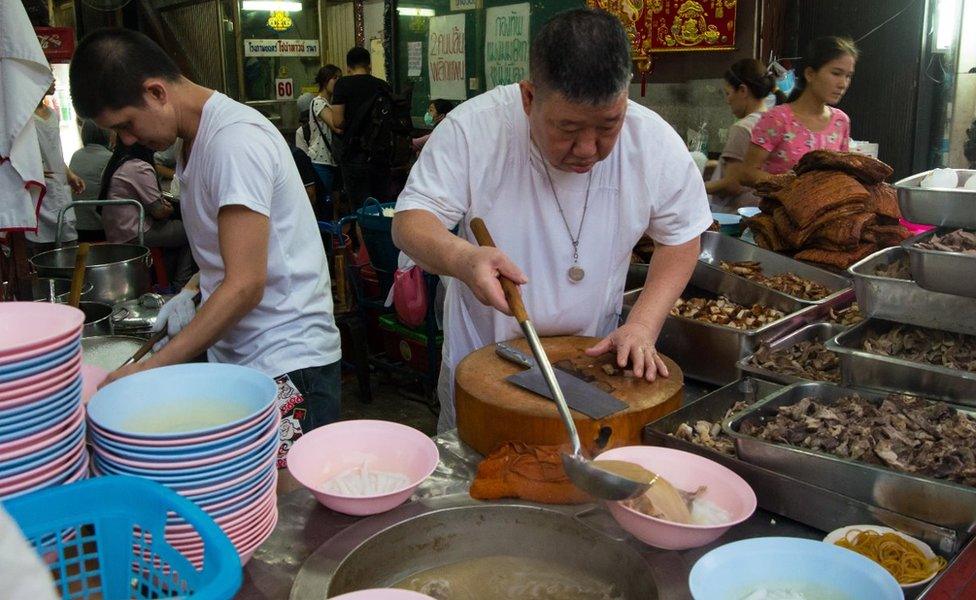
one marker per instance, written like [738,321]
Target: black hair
[357,57]
[109,67]
[442,106]
[820,52]
[327,74]
[756,77]
[93,134]
[120,155]
[583,54]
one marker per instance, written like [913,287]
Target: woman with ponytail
[747,84]
[809,120]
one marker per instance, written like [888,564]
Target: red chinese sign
[58,43]
[673,25]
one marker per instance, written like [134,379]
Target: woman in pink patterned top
[808,122]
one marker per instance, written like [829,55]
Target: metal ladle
[589,478]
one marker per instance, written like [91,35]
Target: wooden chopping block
[491,410]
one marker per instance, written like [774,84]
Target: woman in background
[747,84]
[321,142]
[436,112]
[809,121]
[88,162]
[129,174]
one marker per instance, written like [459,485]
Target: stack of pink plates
[42,419]
[207,431]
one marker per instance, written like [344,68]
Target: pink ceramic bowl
[383,594]
[686,471]
[39,390]
[45,438]
[91,378]
[328,451]
[41,381]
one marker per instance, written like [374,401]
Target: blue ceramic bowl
[183,451]
[182,401]
[39,364]
[728,224]
[810,567]
[13,420]
[221,495]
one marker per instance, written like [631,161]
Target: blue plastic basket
[104,538]
[377,235]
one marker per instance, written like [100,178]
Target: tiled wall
[687,105]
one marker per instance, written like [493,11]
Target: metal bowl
[57,289]
[97,319]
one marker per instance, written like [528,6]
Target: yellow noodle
[897,555]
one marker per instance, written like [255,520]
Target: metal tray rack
[860,368]
[938,206]
[820,332]
[710,352]
[781,493]
[938,271]
[902,300]
[941,502]
[716,247]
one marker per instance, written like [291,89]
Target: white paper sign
[284,89]
[506,44]
[465,5]
[254,47]
[445,57]
[415,58]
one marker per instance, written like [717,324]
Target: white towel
[24,78]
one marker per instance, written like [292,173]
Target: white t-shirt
[318,150]
[239,158]
[58,194]
[480,162]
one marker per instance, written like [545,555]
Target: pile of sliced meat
[922,345]
[710,435]
[848,317]
[898,269]
[959,240]
[806,360]
[722,311]
[788,283]
[904,433]
[834,210]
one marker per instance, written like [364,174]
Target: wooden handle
[78,276]
[512,293]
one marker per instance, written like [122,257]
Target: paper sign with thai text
[506,44]
[415,58]
[254,47]
[445,57]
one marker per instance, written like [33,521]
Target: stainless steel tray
[904,301]
[813,332]
[779,493]
[861,368]
[716,247]
[945,272]
[709,352]
[944,503]
[938,206]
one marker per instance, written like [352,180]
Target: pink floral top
[787,140]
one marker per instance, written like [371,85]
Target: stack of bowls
[42,419]
[207,431]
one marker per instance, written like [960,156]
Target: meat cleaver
[580,395]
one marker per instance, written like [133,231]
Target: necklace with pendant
[575,272]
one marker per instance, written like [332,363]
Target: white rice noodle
[360,481]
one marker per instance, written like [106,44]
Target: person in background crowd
[436,112]
[165,165]
[363,175]
[747,84]
[809,121]
[299,152]
[88,162]
[321,142]
[57,178]
[130,174]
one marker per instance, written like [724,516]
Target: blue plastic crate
[104,538]
[377,236]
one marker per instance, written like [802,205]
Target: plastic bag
[410,296]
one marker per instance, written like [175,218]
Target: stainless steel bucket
[56,289]
[116,271]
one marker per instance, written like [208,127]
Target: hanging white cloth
[24,78]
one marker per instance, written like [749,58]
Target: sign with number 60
[284,89]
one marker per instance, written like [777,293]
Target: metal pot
[98,319]
[109,351]
[55,289]
[117,271]
[137,317]
[383,550]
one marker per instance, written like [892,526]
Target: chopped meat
[788,283]
[919,344]
[710,435]
[806,360]
[882,432]
[898,269]
[846,316]
[724,312]
[864,168]
[959,240]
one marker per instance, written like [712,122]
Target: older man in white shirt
[568,174]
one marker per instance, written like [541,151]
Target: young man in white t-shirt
[264,279]
[567,174]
